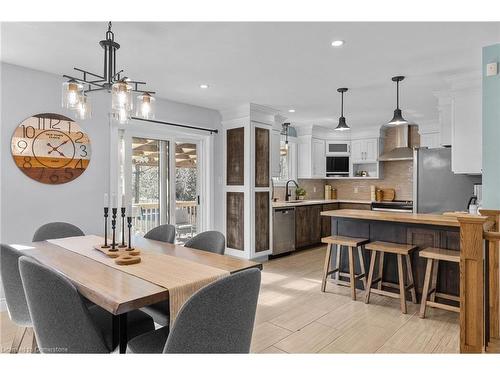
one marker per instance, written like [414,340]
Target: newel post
[471,284]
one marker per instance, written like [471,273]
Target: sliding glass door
[186,190]
[149,184]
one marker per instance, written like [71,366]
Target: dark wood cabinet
[235,224]
[262,235]
[261,157]
[307,225]
[326,221]
[235,146]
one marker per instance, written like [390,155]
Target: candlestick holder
[105,246]
[123,244]
[113,227]
[129,224]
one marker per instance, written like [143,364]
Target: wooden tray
[388,194]
[122,256]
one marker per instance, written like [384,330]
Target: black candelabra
[113,227]
[106,210]
[123,244]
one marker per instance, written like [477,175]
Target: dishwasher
[283,230]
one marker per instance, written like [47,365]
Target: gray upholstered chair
[219,318]
[211,240]
[164,233]
[55,230]
[61,320]
[15,297]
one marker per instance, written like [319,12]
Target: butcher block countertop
[398,217]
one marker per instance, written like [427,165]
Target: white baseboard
[3,304]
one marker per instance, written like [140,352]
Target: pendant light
[342,124]
[398,116]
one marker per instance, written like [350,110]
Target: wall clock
[51,148]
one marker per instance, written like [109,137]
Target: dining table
[164,270]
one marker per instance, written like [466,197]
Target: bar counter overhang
[475,281]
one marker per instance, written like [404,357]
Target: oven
[393,206]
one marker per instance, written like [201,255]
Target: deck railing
[146,216]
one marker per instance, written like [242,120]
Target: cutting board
[388,194]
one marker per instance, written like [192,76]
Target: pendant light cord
[397,94]
[342,104]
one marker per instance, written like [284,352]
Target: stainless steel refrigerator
[436,188]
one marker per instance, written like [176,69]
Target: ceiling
[280,64]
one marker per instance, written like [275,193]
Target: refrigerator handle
[415,180]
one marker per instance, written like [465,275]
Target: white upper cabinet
[364,150]
[311,157]
[466,132]
[275,153]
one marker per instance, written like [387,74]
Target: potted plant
[300,193]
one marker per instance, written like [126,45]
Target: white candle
[129,209]
[106,200]
[123,200]
[113,200]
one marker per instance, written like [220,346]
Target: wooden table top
[398,217]
[117,291]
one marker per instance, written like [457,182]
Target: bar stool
[352,244]
[434,255]
[400,250]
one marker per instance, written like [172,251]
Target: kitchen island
[462,233]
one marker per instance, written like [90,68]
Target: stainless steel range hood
[402,145]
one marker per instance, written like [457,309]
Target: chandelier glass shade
[145,104]
[71,93]
[122,88]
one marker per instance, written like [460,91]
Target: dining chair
[211,240]
[61,320]
[164,233]
[15,298]
[56,230]
[219,318]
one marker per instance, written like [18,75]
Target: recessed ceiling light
[291,110]
[337,43]
[203,86]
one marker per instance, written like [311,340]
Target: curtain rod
[179,125]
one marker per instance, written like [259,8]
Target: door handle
[198,199]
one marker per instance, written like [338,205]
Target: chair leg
[381,270]
[352,279]
[434,279]
[34,345]
[409,272]
[370,276]
[425,290]
[337,260]
[402,293]
[361,251]
[18,339]
[326,267]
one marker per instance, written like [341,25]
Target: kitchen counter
[398,217]
[307,202]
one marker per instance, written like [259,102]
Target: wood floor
[293,316]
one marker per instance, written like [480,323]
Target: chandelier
[122,88]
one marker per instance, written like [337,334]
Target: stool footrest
[443,306]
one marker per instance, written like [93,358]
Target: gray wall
[26,204]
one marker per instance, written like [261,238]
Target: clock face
[51,148]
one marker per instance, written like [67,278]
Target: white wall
[25,203]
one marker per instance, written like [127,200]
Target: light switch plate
[491,69]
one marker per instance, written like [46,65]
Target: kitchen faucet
[287,194]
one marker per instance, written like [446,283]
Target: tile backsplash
[397,175]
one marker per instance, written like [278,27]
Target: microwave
[337,166]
